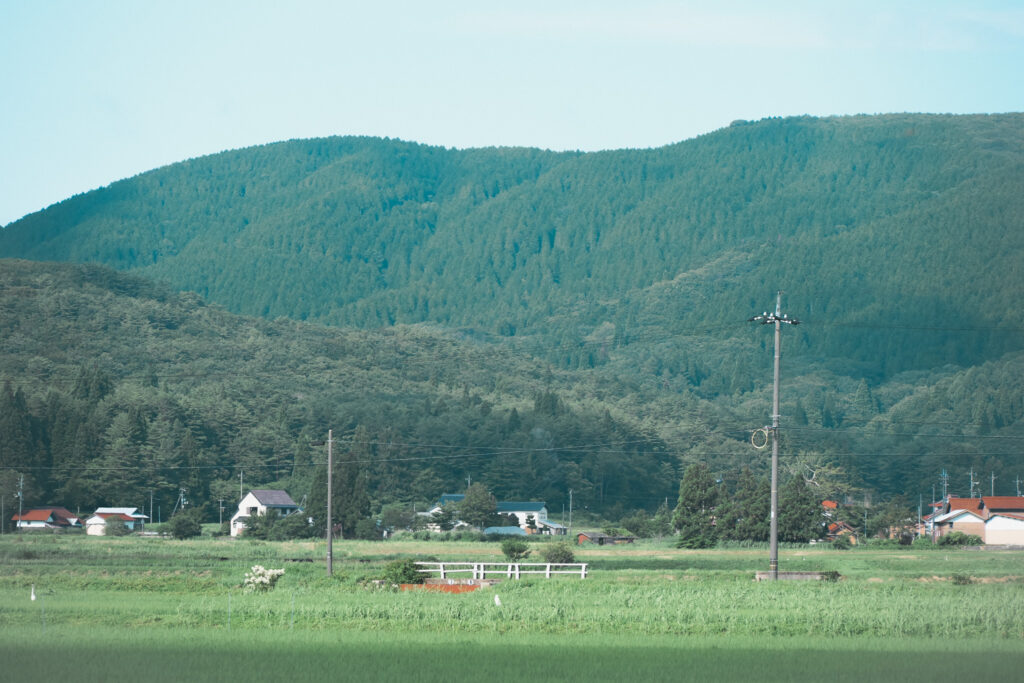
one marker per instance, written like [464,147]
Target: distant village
[995,520]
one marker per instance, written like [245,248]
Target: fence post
[547,571]
[517,570]
[441,564]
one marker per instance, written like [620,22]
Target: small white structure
[258,502]
[1004,529]
[131,517]
[523,511]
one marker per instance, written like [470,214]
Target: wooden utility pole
[777,319]
[330,525]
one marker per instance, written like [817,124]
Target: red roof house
[47,518]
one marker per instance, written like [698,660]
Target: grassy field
[153,608]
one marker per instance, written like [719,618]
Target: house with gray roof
[260,502]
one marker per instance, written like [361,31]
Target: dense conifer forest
[538,321]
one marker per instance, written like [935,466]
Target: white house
[97,524]
[523,511]
[258,502]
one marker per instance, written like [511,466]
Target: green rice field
[157,609]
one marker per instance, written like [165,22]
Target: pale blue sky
[97,90]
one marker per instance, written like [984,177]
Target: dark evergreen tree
[694,516]
[800,512]
[350,499]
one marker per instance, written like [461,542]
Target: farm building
[602,538]
[841,528]
[998,520]
[259,502]
[131,517]
[1004,528]
[47,518]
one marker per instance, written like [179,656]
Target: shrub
[559,553]
[116,527]
[262,580]
[287,528]
[367,530]
[403,571]
[959,538]
[185,524]
[842,543]
[962,579]
[831,576]
[515,550]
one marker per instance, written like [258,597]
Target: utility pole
[21,497]
[1018,485]
[992,491]
[945,482]
[220,504]
[974,482]
[570,512]
[330,481]
[777,319]
[240,494]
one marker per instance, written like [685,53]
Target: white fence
[509,570]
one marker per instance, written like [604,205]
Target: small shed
[601,538]
[97,524]
[1004,529]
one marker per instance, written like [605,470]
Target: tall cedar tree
[350,500]
[745,516]
[800,512]
[694,515]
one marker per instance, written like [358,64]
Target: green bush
[962,579]
[367,530]
[559,553]
[514,549]
[842,543]
[403,571]
[291,527]
[116,527]
[959,538]
[185,524]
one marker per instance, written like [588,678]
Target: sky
[92,91]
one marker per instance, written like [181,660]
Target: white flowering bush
[260,579]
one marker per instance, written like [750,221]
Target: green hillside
[614,285]
[867,222]
[114,387]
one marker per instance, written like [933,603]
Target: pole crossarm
[772,318]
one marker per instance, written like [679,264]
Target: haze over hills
[897,239]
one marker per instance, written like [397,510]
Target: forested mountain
[625,278]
